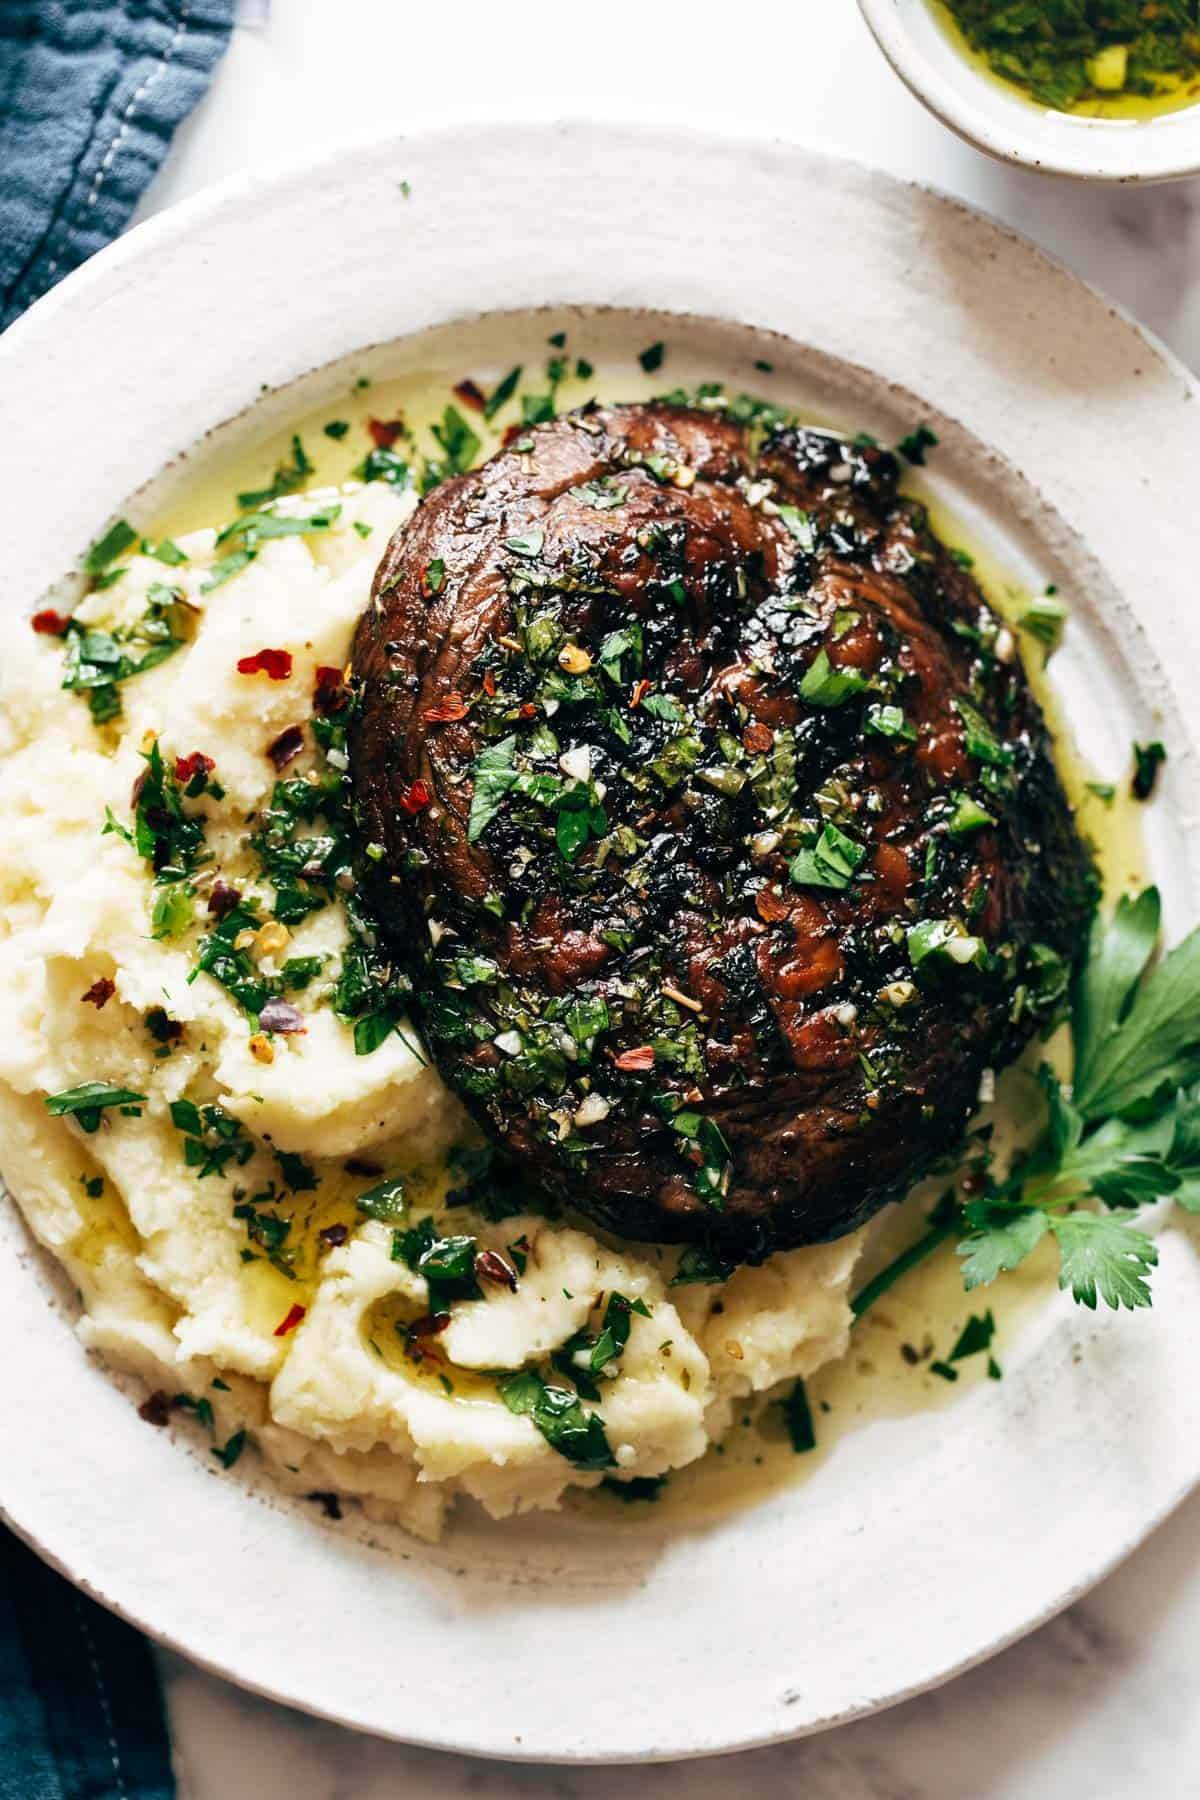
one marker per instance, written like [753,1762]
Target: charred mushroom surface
[707,805]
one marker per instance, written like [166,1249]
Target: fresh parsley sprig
[1126,1134]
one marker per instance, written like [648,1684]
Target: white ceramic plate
[998,119]
[1072,445]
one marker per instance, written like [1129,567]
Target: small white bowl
[997,120]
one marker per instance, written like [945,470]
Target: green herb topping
[90,1099]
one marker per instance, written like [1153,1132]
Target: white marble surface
[1104,1702]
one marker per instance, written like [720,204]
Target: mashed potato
[211,1218]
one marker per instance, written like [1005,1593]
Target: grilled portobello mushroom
[707,805]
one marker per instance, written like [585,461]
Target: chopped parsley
[831,862]
[119,538]
[460,444]
[502,393]
[1045,619]
[968,816]
[212,1138]
[287,478]
[1147,760]
[889,722]
[559,1415]
[227,1454]
[1074,54]
[97,660]
[697,1263]
[169,837]
[90,1099]
[386,1201]
[447,1265]
[823,685]
[913,447]
[587,1358]
[797,1416]
[976,1335]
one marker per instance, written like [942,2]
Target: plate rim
[190,215]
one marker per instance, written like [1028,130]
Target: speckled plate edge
[776,1622]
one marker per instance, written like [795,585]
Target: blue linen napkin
[91,92]
[81,1714]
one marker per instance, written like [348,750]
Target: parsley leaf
[976,1335]
[832,862]
[1103,1257]
[889,721]
[585,1358]
[287,478]
[457,439]
[96,660]
[1044,619]
[823,685]
[1147,758]
[1136,1035]
[558,1414]
[913,447]
[492,775]
[700,1264]
[116,540]
[447,1265]
[87,1101]
[385,1201]
[501,393]
[1004,1237]
[797,1415]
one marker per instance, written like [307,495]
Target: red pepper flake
[513,432]
[330,693]
[758,738]
[195,764]
[429,1324]
[334,1235]
[223,899]
[100,992]
[448,711]
[416,798]
[51,623]
[635,1062]
[287,746]
[384,432]
[640,690]
[275,663]
[771,906]
[489,684]
[528,711]
[290,1320]
[471,395]
[417,1345]
[491,1266]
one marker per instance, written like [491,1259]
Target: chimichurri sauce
[1116,58]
